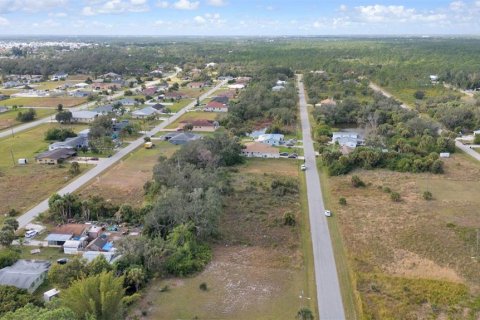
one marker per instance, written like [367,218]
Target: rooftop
[76,229]
[23,273]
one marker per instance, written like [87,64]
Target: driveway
[329,298]
[107,163]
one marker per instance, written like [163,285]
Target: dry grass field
[413,259]
[47,102]
[258,269]
[123,183]
[8,119]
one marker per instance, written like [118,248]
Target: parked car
[31,233]
[293,156]
[303,167]
[328,213]
[283,154]
[62,261]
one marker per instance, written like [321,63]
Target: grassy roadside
[306,242]
[347,281]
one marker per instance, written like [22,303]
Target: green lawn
[406,95]
[8,119]
[177,106]
[22,187]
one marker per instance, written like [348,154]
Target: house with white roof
[84,116]
[25,274]
[145,113]
[348,139]
[273,139]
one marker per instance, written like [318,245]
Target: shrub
[289,219]
[26,116]
[203,286]
[476,139]
[357,182]
[427,195]
[387,190]
[419,94]
[342,201]
[8,257]
[395,197]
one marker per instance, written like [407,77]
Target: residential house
[260,150]
[434,78]
[74,246]
[84,116]
[281,83]
[81,85]
[273,139]
[104,86]
[214,106]
[159,107]
[328,102]
[257,133]
[200,125]
[175,95]
[3,109]
[230,94]
[80,94]
[278,88]
[127,102]
[59,76]
[91,255]
[145,113]
[150,91]
[183,138]
[221,99]
[12,84]
[55,156]
[196,85]
[348,139]
[70,143]
[237,86]
[111,76]
[119,126]
[3,97]
[106,109]
[25,274]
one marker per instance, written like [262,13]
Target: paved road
[84,106]
[28,216]
[474,154]
[330,304]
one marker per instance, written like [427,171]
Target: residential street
[328,290]
[466,148]
[28,216]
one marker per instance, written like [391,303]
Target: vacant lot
[8,119]
[48,102]
[194,115]
[413,259]
[406,95]
[22,187]
[123,183]
[258,269]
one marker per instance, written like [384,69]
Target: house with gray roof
[183,138]
[70,143]
[348,139]
[127,102]
[84,116]
[108,108]
[145,113]
[25,274]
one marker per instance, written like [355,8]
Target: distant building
[434,78]
[196,85]
[145,113]
[348,139]
[260,150]
[70,143]
[25,274]
[273,139]
[201,125]
[55,156]
[126,102]
[59,76]
[106,109]
[278,88]
[328,102]
[181,138]
[214,106]
[84,116]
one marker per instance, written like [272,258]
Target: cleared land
[406,95]
[259,267]
[194,115]
[8,119]
[49,102]
[413,259]
[21,187]
[123,183]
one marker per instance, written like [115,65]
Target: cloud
[48,24]
[115,7]
[163,4]
[186,5]
[200,20]
[7,6]
[394,14]
[211,19]
[57,14]
[4,22]
[457,5]
[217,3]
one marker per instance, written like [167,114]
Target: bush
[387,190]
[203,286]
[342,201]
[476,139]
[8,257]
[427,195]
[395,197]
[59,134]
[419,94]
[357,182]
[289,219]
[26,116]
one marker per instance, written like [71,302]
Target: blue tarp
[108,246]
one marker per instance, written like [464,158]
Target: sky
[239,17]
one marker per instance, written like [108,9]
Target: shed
[22,161]
[50,294]
[445,155]
[58,239]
